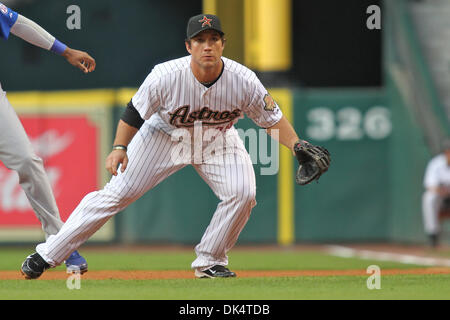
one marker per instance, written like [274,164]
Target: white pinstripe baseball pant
[431,204]
[233,182]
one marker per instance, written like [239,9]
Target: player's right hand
[116,158]
[80,59]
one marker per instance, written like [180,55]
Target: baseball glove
[313,162]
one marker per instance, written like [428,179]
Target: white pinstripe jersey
[437,172]
[174,98]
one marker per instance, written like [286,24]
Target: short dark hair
[222,37]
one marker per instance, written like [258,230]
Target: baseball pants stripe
[234,184]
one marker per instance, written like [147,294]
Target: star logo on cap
[205,21]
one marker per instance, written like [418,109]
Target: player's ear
[188,45]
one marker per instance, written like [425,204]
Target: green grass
[11,259]
[296,288]
[270,288]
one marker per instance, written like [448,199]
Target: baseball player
[183,114]
[437,190]
[15,149]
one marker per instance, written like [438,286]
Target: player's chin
[209,62]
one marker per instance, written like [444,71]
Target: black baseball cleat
[34,266]
[216,271]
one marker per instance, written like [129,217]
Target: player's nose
[209,44]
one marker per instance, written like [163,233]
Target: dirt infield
[152,275]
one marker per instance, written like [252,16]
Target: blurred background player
[437,192]
[16,151]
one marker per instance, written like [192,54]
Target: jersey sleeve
[263,110]
[147,98]
[7,20]
[431,178]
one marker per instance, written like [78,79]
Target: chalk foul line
[346,252]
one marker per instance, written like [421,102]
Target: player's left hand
[80,59]
[313,162]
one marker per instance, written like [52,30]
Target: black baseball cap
[203,22]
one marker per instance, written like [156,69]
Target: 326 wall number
[348,123]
